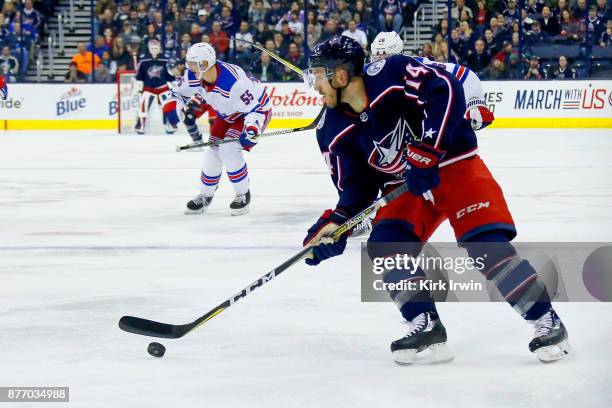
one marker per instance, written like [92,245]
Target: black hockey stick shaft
[152,328]
[310,126]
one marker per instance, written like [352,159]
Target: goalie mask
[154,48]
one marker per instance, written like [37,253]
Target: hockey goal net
[127,106]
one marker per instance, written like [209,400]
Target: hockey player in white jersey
[390,43]
[243,112]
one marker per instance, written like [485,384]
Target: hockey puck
[156,349]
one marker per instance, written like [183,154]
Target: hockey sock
[515,278]
[390,238]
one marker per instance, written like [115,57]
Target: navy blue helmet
[336,51]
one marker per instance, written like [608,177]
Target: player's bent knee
[390,237]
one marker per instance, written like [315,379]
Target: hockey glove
[479,115]
[422,174]
[318,237]
[3,88]
[249,136]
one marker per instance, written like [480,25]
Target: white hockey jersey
[472,87]
[234,95]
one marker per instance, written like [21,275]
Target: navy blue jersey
[408,102]
[153,73]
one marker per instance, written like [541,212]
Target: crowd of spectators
[21,27]
[486,36]
[124,28]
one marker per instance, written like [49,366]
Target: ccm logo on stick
[472,208]
[418,158]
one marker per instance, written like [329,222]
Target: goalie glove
[478,114]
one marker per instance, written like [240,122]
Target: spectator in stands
[513,69]
[32,17]
[563,71]
[442,29]
[294,23]
[534,9]
[9,65]
[536,37]
[127,34]
[105,22]
[226,19]
[548,22]
[262,34]
[579,9]
[274,15]
[102,74]
[344,14]
[170,40]
[84,59]
[195,32]
[459,7]
[322,12]
[495,70]
[390,17]
[295,56]
[9,11]
[281,43]
[603,10]
[479,58]
[457,44]
[606,36]
[561,7]
[466,33]
[99,46]
[204,21]
[497,30]
[533,71]
[438,40]
[312,35]
[257,12]
[441,52]
[120,55]
[511,14]
[102,5]
[151,34]
[593,27]
[108,37]
[364,13]
[110,65]
[219,40]
[491,45]
[21,43]
[481,17]
[265,69]
[329,30]
[572,31]
[427,51]
[504,54]
[243,51]
[74,75]
[355,34]
[122,15]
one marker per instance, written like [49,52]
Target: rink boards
[516,104]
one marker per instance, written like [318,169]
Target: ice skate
[549,342]
[425,342]
[196,145]
[140,126]
[240,205]
[198,205]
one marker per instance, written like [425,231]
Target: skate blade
[550,354]
[195,212]
[434,354]
[241,211]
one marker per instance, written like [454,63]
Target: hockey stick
[310,126]
[273,56]
[152,328]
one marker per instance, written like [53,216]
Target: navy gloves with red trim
[318,237]
[422,175]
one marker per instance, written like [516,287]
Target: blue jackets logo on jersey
[155,71]
[375,67]
[389,151]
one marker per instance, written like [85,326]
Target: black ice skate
[550,339]
[140,126]
[198,205]
[240,205]
[425,342]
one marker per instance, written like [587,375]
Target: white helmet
[154,48]
[200,52]
[386,44]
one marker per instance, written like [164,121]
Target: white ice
[92,228]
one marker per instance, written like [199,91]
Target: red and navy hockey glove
[479,115]
[3,88]
[248,138]
[422,175]
[318,237]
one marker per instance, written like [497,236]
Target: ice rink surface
[92,228]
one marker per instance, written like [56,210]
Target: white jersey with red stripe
[184,88]
[472,87]
[235,95]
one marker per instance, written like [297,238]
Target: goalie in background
[152,80]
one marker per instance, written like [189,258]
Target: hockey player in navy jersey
[401,121]
[153,79]
[243,111]
[390,43]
